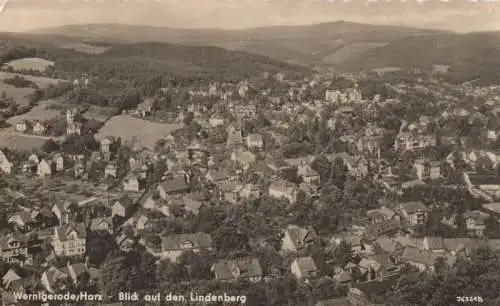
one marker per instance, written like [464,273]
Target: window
[420,218]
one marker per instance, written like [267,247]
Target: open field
[85,48]
[351,51]
[144,133]
[21,142]
[383,70]
[41,82]
[39,112]
[100,113]
[20,95]
[31,63]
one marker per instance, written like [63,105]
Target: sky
[455,15]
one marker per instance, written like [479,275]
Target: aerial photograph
[249,152]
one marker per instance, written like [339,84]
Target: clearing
[40,112]
[30,63]
[85,48]
[41,82]
[20,95]
[144,133]
[21,142]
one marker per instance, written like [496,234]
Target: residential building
[237,269]
[304,268]
[173,187]
[14,249]
[69,240]
[415,212]
[296,238]
[255,141]
[283,190]
[173,246]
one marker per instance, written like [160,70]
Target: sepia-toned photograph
[249,152]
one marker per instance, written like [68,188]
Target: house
[216,120]
[122,207]
[249,191]
[296,238]
[44,168]
[236,269]
[79,272]
[14,249]
[173,187]
[131,183]
[304,268]
[110,170]
[28,220]
[423,260]
[69,240]
[53,279]
[124,242]
[475,222]
[65,211]
[39,128]
[382,214]
[377,267]
[22,126]
[255,141]
[409,141]
[283,189]
[434,244]
[145,108]
[415,212]
[484,186]
[173,246]
[11,276]
[219,177]
[192,205]
[308,175]
[5,164]
[427,170]
[243,158]
[102,224]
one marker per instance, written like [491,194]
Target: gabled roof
[300,236]
[413,207]
[230,269]
[65,230]
[187,241]
[306,265]
[174,185]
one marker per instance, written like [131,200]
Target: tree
[99,245]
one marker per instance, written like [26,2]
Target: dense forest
[141,62]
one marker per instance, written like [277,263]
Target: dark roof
[174,185]
[484,179]
[187,241]
[413,207]
[374,287]
[230,269]
[65,230]
[125,201]
[435,243]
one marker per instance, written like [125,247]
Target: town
[282,188]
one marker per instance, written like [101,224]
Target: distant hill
[338,45]
[306,44]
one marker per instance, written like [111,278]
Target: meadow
[31,63]
[141,132]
